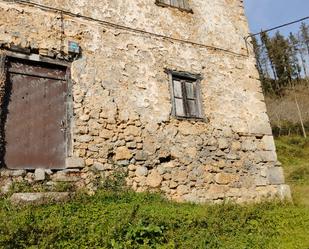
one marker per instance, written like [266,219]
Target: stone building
[164,90]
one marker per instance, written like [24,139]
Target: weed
[25,186]
[114,182]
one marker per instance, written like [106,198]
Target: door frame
[6,55]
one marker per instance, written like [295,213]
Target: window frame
[160,3]
[184,76]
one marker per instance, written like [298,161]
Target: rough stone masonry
[122,100]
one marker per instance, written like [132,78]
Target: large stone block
[216,191]
[223,143]
[141,156]
[248,145]
[267,156]
[39,175]
[267,143]
[260,125]
[75,162]
[150,144]
[284,192]
[275,176]
[106,134]
[39,198]
[142,171]
[191,152]
[224,178]
[186,128]
[102,167]
[154,180]
[180,176]
[84,138]
[261,181]
[132,131]
[5,186]
[123,153]
[183,189]
[65,177]
[13,173]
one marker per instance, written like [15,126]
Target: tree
[258,55]
[294,56]
[302,53]
[265,39]
[262,65]
[281,60]
[304,44]
[279,54]
[304,33]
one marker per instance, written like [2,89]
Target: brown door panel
[34,134]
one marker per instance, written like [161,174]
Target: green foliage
[128,220]
[63,187]
[114,182]
[25,186]
[300,175]
[293,152]
[140,235]
[291,148]
[282,61]
[304,35]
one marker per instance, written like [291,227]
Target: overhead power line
[271,29]
[122,27]
[278,27]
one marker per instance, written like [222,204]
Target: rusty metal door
[35,133]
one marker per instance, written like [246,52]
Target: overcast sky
[263,14]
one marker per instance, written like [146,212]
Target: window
[185,93]
[180,4]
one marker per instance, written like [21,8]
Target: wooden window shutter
[191,99]
[186,5]
[167,2]
[179,100]
[181,4]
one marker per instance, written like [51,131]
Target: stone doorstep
[40,198]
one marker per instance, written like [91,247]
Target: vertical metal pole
[299,115]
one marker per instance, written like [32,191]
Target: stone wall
[122,105]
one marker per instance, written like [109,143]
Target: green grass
[129,220]
[293,153]
[121,219]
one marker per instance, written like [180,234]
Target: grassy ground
[121,220]
[293,153]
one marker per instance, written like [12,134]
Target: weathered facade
[169,95]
